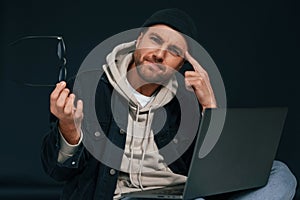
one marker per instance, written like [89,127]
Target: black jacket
[85,177]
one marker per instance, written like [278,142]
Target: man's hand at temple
[199,82]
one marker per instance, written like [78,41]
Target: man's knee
[284,179]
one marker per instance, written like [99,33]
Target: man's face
[159,52]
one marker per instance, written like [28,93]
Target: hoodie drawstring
[131,147]
[145,145]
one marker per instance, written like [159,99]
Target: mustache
[153,61]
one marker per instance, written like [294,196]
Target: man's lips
[154,66]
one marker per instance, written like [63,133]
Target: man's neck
[138,83]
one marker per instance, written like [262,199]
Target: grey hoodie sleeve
[67,150]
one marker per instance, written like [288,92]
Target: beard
[150,70]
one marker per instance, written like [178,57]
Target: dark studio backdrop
[255,45]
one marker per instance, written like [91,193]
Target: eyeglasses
[61,53]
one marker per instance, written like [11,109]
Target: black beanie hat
[176,19]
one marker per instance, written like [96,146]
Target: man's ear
[138,41]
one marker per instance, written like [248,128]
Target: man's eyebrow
[156,35]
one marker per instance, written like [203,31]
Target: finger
[56,92]
[188,86]
[79,110]
[191,73]
[197,75]
[61,101]
[197,83]
[69,107]
[195,78]
[197,67]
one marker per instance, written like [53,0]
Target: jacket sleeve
[49,156]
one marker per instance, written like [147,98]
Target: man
[142,73]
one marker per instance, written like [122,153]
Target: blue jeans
[281,186]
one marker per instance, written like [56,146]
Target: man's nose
[159,55]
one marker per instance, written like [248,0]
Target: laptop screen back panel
[243,155]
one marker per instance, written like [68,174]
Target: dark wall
[254,43]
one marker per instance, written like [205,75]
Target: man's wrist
[70,132]
[67,150]
[209,106]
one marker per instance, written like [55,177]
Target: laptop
[237,158]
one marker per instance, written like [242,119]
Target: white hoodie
[142,166]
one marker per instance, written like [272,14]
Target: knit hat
[176,19]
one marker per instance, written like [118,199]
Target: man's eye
[174,52]
[155,39]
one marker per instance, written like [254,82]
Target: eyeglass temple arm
[35,37]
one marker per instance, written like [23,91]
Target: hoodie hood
[116,70]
